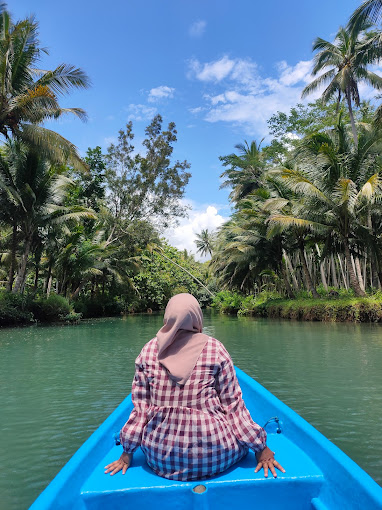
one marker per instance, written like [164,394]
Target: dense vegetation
[307,218]
[81,237]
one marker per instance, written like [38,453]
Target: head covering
[180,340]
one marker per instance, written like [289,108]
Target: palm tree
[371,11]
[244,255]
[29,95]
[289,204]
[244,172]
[205,242]
[338,183]
[33,191]
[345,63]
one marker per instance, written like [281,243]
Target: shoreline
[349,309]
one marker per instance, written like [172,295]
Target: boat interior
[296,489]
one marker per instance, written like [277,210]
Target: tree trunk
[308,278]
[286,281]
[36,277]
[79,288]
[11,273]
[353,278]
[22,269]
[334,271]
[359,273]
[48,278]
[342,273]
[353,127]
[322,269]
[49,285]
[291,271]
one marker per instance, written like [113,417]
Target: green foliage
[14,309]
[99,306]
[53,308]
[342,309]
[29,95]
[89,187]
[159,279]
[149,185]
[72,317]
[228,302]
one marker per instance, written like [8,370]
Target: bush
[14,309]
[99,306]
[227,302]
[50,309]
[72,317]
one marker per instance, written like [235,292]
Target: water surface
[58,383]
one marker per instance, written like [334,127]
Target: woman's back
[188,433]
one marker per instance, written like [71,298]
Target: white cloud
[196,110]
[212,71]
[291,75]
[197,28]
[140,112]
[200,217]
[245,97]
[236,92]
[161,92]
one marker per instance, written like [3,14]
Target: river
[58,383]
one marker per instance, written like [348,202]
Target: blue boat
[319,476]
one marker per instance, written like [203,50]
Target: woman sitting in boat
[189,417]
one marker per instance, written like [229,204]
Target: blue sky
[218,69]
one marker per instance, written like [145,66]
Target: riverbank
[332,307]
[339,310]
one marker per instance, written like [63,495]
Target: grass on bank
[334,305]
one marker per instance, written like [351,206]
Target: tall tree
[150,185]
[29,96]
[205,242]
[344,64]
[337,182]
[371,11]
[33,191]
[244,170]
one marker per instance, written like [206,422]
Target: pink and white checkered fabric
[192,431]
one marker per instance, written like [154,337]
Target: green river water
[58,383]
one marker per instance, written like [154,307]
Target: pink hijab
[180,340]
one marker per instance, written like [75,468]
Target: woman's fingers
[272,468]
[269,465]
[110,467]
[279,466]
[116,466]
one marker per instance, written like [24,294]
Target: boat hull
[318,475]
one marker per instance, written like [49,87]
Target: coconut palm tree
[345,64]
[371,11]
[29,96]
[244,172]
[205,242]
[338,183]
[33,191]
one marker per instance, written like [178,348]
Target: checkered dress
[192,431]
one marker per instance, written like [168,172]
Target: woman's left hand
[266,460]
[122,463]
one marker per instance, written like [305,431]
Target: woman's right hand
[122,463]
